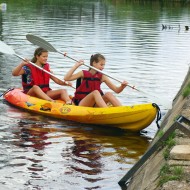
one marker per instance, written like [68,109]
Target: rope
[159,115]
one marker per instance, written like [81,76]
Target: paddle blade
[4,48]
[40,42]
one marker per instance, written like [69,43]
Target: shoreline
[166,163]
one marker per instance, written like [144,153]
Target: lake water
[144,43]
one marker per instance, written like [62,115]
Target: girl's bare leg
[109,97]
[93,98]
[37,92]
[59,94]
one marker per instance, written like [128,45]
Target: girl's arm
[60,82]
[70,74]
[116,89]
[18,70]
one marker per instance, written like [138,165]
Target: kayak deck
[134,118]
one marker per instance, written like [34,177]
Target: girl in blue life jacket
[35,82]
[89,93]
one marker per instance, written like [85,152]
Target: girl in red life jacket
[89,92]
[35,82]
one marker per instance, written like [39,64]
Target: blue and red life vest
[39,78]
[89,83]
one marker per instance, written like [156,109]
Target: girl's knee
[63,91]
[96,92]
[108,94]
[35,87]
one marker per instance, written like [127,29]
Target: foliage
[168,173]
[170,141]
[160,133]
[186,91]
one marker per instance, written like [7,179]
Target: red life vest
[89,83]
[39,78]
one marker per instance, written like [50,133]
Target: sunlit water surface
[43,153]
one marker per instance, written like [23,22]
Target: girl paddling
[89,93]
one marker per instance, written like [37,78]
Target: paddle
[4,48]
[43,43]
[46,45]
[9,89]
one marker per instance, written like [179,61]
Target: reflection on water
[35,150]
[43,153]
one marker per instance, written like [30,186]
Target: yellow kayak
[134,118]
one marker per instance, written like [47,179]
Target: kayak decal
[29,104]
[65,110]
[46,107]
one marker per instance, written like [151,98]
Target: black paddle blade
[6,91]
[40,42]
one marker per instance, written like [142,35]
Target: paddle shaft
[42,43]
[65,54]
[167,105]
[40,68]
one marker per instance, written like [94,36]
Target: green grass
[169,173]
[186,91]
[160,133]
[170,142]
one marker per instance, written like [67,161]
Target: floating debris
[186,27]
[164,27]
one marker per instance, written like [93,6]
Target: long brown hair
[38,52]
